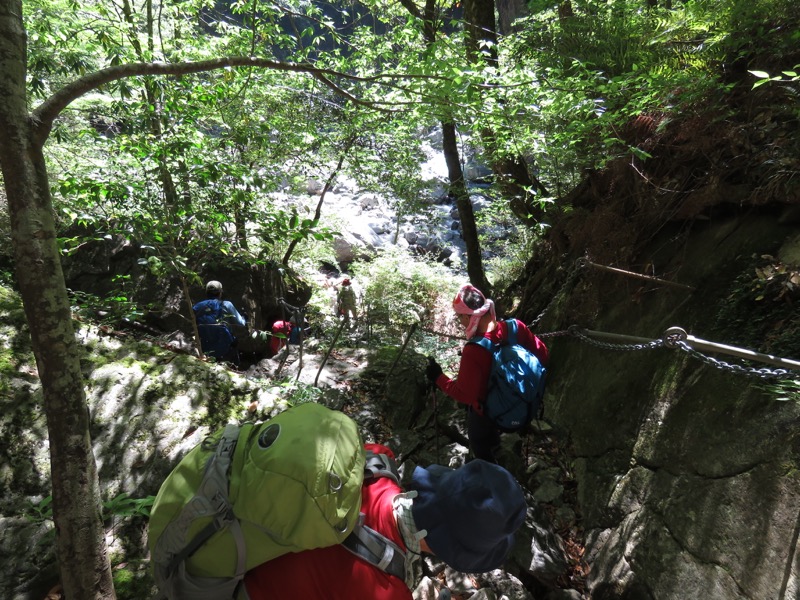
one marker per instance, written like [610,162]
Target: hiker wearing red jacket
[281,331]
[467,517]
[477,315]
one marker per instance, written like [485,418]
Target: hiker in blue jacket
[214,315]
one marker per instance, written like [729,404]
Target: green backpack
[252,493]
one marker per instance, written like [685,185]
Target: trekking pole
[368,321]
[284,357]
[328,353]
[435,421]
[299,322]
[411,331]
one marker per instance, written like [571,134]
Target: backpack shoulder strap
[219,312]
[380,465]
[376,549]
[482,342]
[365,542]
[215,487]
[512,331]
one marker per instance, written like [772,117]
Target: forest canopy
[164,158]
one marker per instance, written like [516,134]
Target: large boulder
[262,290]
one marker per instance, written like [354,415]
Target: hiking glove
[433,370]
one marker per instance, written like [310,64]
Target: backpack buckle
[225,518]
[335,482]
[227,443]
[222,508]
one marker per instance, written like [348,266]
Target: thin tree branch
[44,115]
[413,9]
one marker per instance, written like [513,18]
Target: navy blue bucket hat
[471,513]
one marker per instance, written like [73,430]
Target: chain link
[762,373]
[441,333]
[577,267]
[675,341]
[550,334]
[672,339]
[579,333]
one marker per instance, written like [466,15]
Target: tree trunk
[469,231]
[513,177]
[240,212]
[481,38]
[152,96]
[509,11]
[76,491]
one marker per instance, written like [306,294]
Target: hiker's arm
[469,386]
[231,310]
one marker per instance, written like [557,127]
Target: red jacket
[334,573]
[276,343]
[471,384]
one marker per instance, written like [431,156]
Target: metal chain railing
[550,334]
[763,373]
[577,268]
[675,337]
[442,333]
[584,335]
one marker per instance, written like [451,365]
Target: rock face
[687,473]
[686,462]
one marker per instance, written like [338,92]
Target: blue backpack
[516,382]
[216,338]
[208,312]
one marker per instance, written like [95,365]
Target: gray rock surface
[686,468]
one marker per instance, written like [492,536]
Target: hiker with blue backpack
[465,517]
[501,374]
[214,317]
